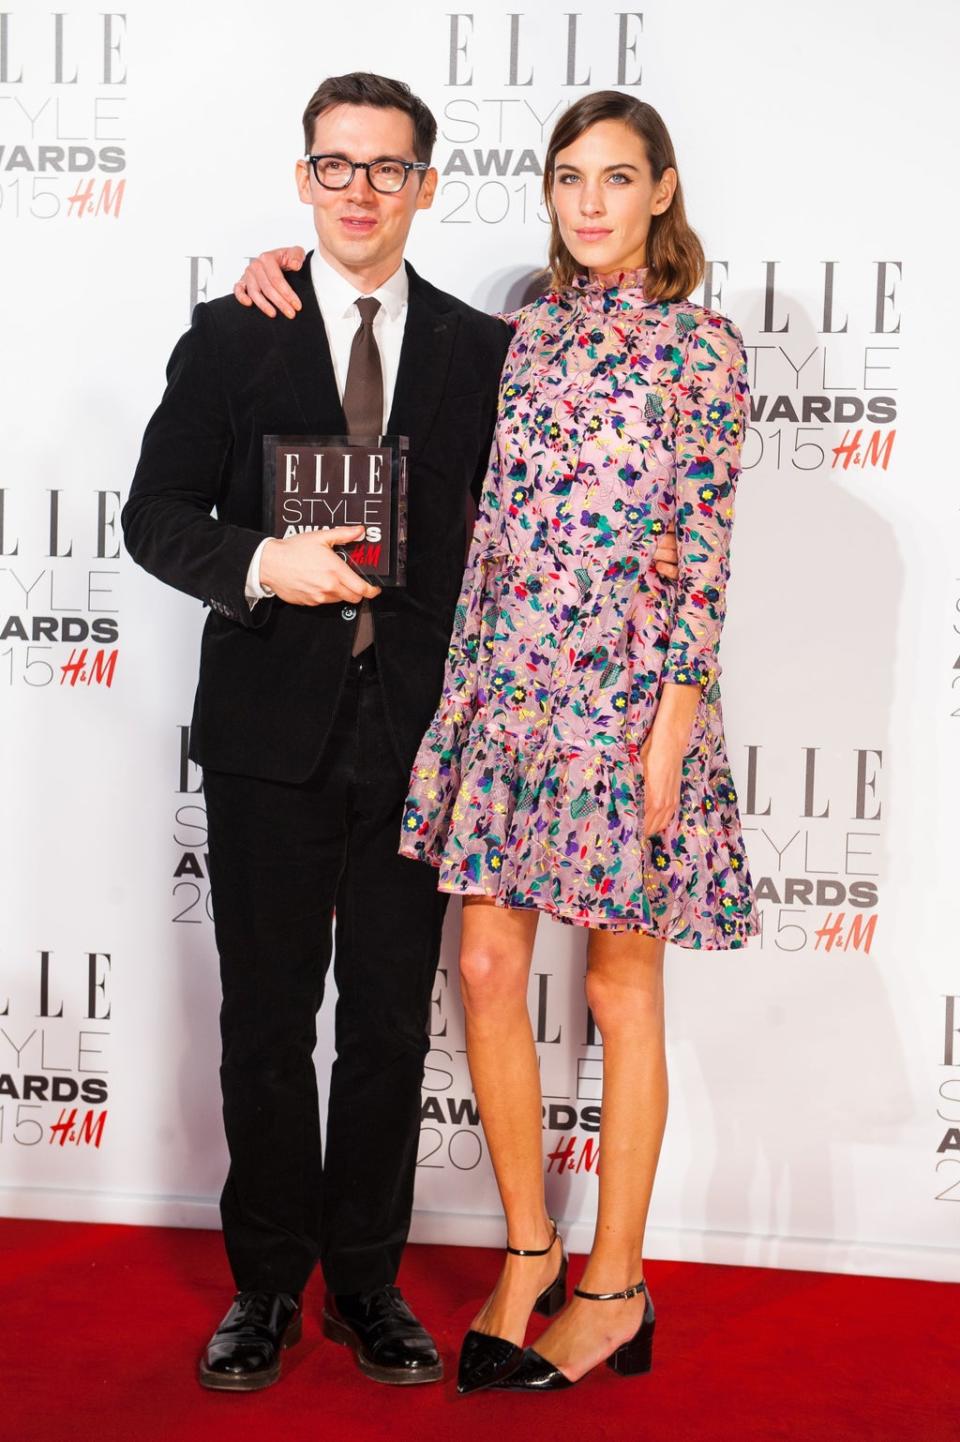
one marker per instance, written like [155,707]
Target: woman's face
[605,197]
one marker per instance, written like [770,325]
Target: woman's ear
[665,190]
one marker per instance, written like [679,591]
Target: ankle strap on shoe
[611,1296]
[530,1252]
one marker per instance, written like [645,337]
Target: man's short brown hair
[362,88]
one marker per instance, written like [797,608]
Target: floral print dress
[618,417]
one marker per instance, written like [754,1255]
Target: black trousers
[283,860]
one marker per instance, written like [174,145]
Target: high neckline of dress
[612,290]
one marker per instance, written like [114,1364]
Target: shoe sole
[250,1381]
[393,1376]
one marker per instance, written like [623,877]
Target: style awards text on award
[312,483]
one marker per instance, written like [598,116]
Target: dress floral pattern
[618,416]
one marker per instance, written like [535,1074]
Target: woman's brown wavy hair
[675,258]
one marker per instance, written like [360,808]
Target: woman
[576,764]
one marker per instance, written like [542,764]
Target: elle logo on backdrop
[589,51]
[52,594]
[53,1033]
[191,904]
[816,367]
[65,119]
[510,76]
[814,852]
[949,1093]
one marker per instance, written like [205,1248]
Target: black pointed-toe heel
[534,1373]
[484,1359]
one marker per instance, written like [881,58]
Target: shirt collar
[336,296]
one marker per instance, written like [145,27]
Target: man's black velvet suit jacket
[270,678]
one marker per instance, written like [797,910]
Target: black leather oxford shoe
[243,1354]
[390,1345]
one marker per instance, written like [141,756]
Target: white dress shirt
[337,297]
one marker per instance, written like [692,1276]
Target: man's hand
[262,282]
[665,556]
[305,571]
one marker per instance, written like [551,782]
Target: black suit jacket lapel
[304,350]
[428,338]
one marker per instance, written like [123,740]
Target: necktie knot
[368,307]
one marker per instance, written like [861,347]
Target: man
[314,691]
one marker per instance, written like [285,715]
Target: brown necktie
[363,408]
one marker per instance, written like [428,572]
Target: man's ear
[303,182]
[428,189]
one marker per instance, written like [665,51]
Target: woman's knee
[490,979]
[623,1003]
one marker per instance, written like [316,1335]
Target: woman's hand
[262,283]
[662,763]
[661,756]
[665,556]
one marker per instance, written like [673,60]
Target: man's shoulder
[227,316]
[479,322]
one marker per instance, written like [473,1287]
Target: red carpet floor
[101,1327]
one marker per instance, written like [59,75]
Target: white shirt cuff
[254,589]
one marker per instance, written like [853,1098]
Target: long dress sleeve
[712,401]
[486,491]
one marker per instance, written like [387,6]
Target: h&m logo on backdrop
[816,883]
[62,151]
[52,596]
[813,372]
[53,1034]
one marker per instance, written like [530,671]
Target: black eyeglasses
[335,172]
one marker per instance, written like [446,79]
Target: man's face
[360,231]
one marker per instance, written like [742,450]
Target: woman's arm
[712,406]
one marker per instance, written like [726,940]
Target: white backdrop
[815,1110]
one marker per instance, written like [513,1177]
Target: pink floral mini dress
[618,416]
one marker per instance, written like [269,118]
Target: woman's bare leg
[496,947]
[625,992]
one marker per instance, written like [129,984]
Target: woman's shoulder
[542,310]
[704,325]
[711,349]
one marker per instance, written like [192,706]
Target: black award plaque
[311,483]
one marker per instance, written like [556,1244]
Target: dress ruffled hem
[559,829]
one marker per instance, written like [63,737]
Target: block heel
[636,1356]
[552,1298]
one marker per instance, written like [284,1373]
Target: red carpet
[101,1327]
